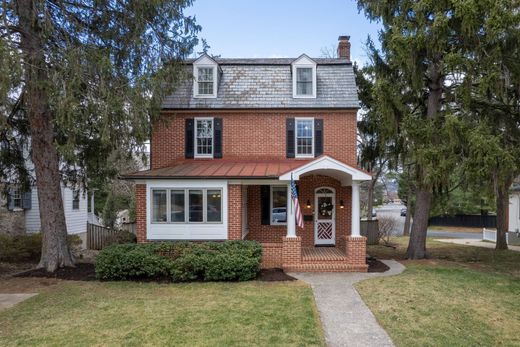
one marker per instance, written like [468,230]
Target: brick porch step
[331,267]
[323,255]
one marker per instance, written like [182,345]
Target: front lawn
[461,296]
[136,314]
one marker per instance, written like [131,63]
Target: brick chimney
[344,47]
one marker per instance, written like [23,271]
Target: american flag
[294,195]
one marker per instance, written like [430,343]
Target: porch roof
[281,169]
[222,168]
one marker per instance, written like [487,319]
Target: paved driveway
[9,300]
[346,320]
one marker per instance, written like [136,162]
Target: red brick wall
[272,255]
[254,134]
[292,252]
[356,250]
[140,212]
[234,212]
[307,186]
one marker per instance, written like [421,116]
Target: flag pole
[291,202]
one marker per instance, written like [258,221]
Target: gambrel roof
[267,84]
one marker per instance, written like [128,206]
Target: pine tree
[80,79]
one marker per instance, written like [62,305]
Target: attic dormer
[205,77]
[304,77]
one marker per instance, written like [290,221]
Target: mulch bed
[274,275]
[375,265]
[82,272]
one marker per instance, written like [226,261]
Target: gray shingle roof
[267,83]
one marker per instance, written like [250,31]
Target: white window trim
[195,154]
[196,81]
[186,205]
[296,155]
[17,192]
[271,206]
[295,89]
[79,200]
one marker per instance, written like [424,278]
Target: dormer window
[303,81]
[205,80]
[304,77]
[205,77]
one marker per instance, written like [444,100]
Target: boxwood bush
[181,261]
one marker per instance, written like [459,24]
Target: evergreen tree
[428,42]
[78,80]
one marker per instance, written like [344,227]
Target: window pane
[279,205]
[214,210]
[159,205]
[304,136]
[177,205]
[205,80]
[205,74]
[75,200]
[195,202]
[304,74]
[204,134]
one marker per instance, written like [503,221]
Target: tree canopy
[80,80]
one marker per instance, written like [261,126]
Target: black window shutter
[10,200]
[189,136]
[217,135]
[265,198]
[27,200]
[318,137]
[290,137]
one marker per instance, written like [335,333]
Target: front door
[324,217]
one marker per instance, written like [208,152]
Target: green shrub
[121,237]
[182,261]
[26,247]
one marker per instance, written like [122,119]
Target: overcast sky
[281,28]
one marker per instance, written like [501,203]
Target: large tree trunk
[417,244]
[502,204]
[408,218]
[55,249]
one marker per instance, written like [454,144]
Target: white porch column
[355,209]
[291,222]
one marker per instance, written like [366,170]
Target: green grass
[461,296]
[478,258]
[149,314]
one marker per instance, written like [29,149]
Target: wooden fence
[465,220]
[370,229]
[98,236]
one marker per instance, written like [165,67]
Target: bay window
[186,205]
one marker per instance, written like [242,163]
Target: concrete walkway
[346,320]
[476,243]
[9,300]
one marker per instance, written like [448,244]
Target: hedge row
[181,261]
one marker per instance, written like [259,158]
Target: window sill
[204,96]
[304,96]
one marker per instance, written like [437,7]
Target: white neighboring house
[75,205]
[514,208]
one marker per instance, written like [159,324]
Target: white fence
[491,235]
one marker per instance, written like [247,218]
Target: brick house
[230,140]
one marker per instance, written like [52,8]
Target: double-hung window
[204,137]
[304,137]
[16,195]
[278,205]
[205,83]
[304,81]
[75,199]
[187,205]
